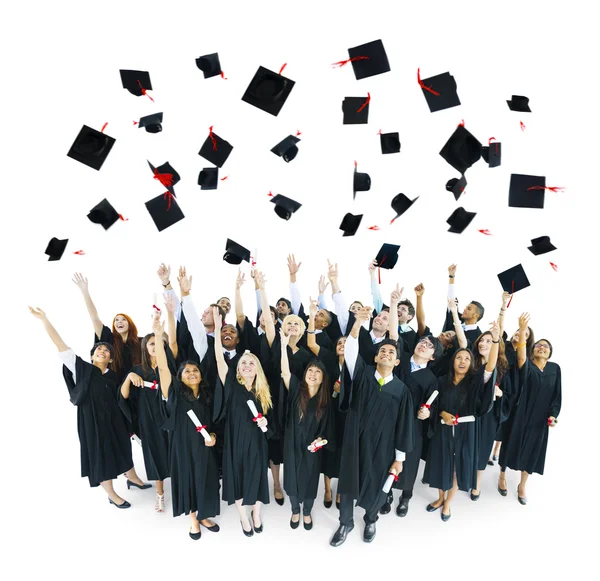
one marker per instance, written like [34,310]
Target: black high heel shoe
[124,505]
[256,529]
[327,503]
[142,487]
[502,491]
[247,533]
[279,501]
[195,536]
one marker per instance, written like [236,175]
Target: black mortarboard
[519,103]
[492,154]
[459,220]
[462,150]
[285,207]
[519,195]
[103,214]
[387,256]
[390,142]
[164,211]
[361,182]
[268,91]
[350,224]
[401,204]
[215,152]
[91,147]
[208,178]
[376,63]
[457,186]
[152,123]
[287,148]
[445,86]
[514,279]
[166,169]
[209,64]
[56,249]
[234,253]
[541,245]
[356,110]
[135,81]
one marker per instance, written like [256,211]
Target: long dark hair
[501,364]
[462,386]
[146,359]
[203,391]
[530,342]
[133,341]
[322,396]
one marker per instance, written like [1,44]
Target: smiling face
[121,324]
[229,337]
[102,355]
[225,304]
[207,317]
[191,375]
[151,346]
[247,367]
[403,316]
[387,357]
[313,376]
[447,338]
[462,362]
[515,338]
[470,314]
[381,322]
[485,345]
[542,350]
[322,319]
[339,346]
[283,310]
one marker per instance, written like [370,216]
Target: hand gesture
[396,467]
[37,313]
[452,270]
[170,302]
[372,266]
[551,421]
[397,295]
[217,319]
[80,281]
[523,324]
[453,305]
[262,422]
[259,279]
[164,273]
[240,280]
[313,444]
[323,284]
[332,271]
[292,265]
[364,314]
[423,413]
[210,443]
[505,299]
[448,418]
[497,391]
[420,289]
[313,308]
[495,329]
[185,283]
[158,328]
[336,386]
[285,340]
[135,379]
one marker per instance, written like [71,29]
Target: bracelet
[311,332]
[450,276]
[496,341]
[166,285]
[502,309]
[501,314]
[521,344]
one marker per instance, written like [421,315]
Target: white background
[61,71]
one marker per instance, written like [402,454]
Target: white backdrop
[62,71]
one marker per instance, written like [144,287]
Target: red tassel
[554,266]
[461,124]
[103,127]
[169,197]
[156,308]
[124,219]
[374,228]
[252,261]
[81,253]
[270,195]
[214,141]
[423,86]
[490,140]
[365,103]
[554,189]
[522,125]
[340,64]
[166,179]
[355,164]
[223,179]
[512,292]
[223,75]
[298,133]
[283,67]
[144,92]
[135,122]
[392,221]
[379,132]
[486,232]
[379,269]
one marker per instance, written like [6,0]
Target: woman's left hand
[213,441]
[262,422]
[495,330]
[497,391]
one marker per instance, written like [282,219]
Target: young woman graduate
[452,452]
[193,467]
[145,403]
[307,418]
[537,408]
[245,451]
[103,435]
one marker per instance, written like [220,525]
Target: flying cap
[234,253]
[492,154]
[541,245]
[56,249]
[215,149]
[91,147]
[285,207]
[519,103]
[361,182]
[208,179]
[350,224]
[287,148]
[462,150]
[459,220]
[151,123]
[356,110]
[526,191]
[390,142]
[387,256]
[401,204]
[136,82]
[514,279]
[376,62]
[268,91]
[457,186]
[164,211]
[209,64]
[104,214]
[440,92]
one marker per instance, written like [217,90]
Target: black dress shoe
[369,533]
[308,525]
[387,505]
[214,529]
[475,497]
[247,533]
[195,536]
[124,504]
[140,486]
[522,499]
[327,503]
[293,524]
[431,508]
[446,517]
[279,501]
[402,508]
[259,529]
[503,492]
[340,535]
[490,463]
[337,504]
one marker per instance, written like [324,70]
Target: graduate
[452,451]
[193,467]
[378,433]
[245,451]
[536,411]
[308,420]
[103,435]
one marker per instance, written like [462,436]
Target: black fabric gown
[106,336]
[303,468]
[192,464]
[511,357]
[539,398]
[245,451]
[456,447]
[379,420]
[103,435]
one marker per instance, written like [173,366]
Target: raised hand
[285,340]
[158,328]
[313,308]
[185,283]
[364,314]
[453,305]
[170,302]
[293,266]
[37,313]
[495,329]
[420,289]
[397,295]
[372,266]
[240,280]
[523,323]
[452,270]
[332,271]
[505,299]
[323,284]
[217,318]
[164,273]
[259,279]
[80,281]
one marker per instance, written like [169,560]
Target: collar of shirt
[232,353]
[469,327]
[317,331]
[404,328]
[260,331]
[387,379]
[414,366]
[376,339]
[210,334]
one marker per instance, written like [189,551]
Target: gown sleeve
[169,409]
[106,336]
[127,406]
[222,395]
[483,392]
[555,403]
[403,435]
[79,390]
[351,388]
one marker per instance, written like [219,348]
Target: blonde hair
[260,386]
[296,318]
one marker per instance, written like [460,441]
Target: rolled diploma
[388,483]
[197,423]
[318,445]
[134,437]
[150,384]
[462,420]
[254,412]
[432,398]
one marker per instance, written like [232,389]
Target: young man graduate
[378,433]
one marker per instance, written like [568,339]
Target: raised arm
[164,373]
[294,267]
[286,374]
[323,284]
[505,299]
[493,357]
[171,305]
[52,333]
[458,328]
[195,325]
[269,325]
[82,285]
[222,366]
[522,345]
[451,276]
[164,274]
[351,346]
[341,306]
[239,305]
[394,300]
[311,339]
[377,301]
[420,291]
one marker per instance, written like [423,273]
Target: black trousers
[347,512]
[306,505]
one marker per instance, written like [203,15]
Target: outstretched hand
[164,273]
[285,340]
[185,283]
[495,329]
[323,284]
[332,270]
[313,308]
[524,322]
[453,305]
[420,289]
[217,319]
[80,281]
[240,280]
[37,313]
[452,270]
[259,279]
[158,328]
[397,294]
[170,302]
[293,266]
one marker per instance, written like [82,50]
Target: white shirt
[375,339]
[469,327]
[341,310]
[416,366]
[195,326]
[69,360]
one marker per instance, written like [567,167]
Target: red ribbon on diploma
[455,422]
[396,476]
[154,385]
[425,405]
[257,417]
[200,428]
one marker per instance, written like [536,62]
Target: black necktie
[227,354]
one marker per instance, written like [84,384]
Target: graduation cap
[519,103]
[492,154]
[136,82]
[152,123]
[103,214]
[376,62]
[209,64]
[514,279]
[268,91]
[350,224]
[459,220]
[520,194]
[440,92]
[462,150]
[390,142]
[287,148]
[91,147]
[285,207]
[164,211]
[356,110]
[541,245]
[361,183]
[56,249]
[234,253]
[457,186]
[208,178]
[164,171]
[401,204]
[215,150]
[387,256]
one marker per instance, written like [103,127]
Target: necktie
[227,355]
[381,381]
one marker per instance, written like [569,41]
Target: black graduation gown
[103,435]
[409,339]
[193,466]
[245,451]
[511,356]
[106,336]
[539,398]
[456,447]
[303,468]
[366,348]
[379,420]
[471,334]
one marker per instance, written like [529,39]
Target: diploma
[432,397]
[317,445]
[460,420]
[134,437]
[334,394]
[151,384]
[551,422]
[389,481]
[255,413]
[199,427]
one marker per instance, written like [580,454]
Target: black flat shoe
[431,508]
[490,463]
[214,529]
[293,524]
[502,491]
[247,533]
[327,503]
[340,535]
[495,458]
[369,533]
[522,499]
[308,525]
[446,517]
[475,497]
[125,504]
[279,501]
[259,529]
[195,536]
[140,486]
[337,505]
[402,509]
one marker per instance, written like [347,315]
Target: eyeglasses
[427,344]
[544,345]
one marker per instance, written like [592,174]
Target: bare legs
[521,488]
[110,491]
[449,497]
[476,491]
[133,477]
[496,451]
[502,480]
[195,525]
[327,481]
[160,487]
[275,470]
